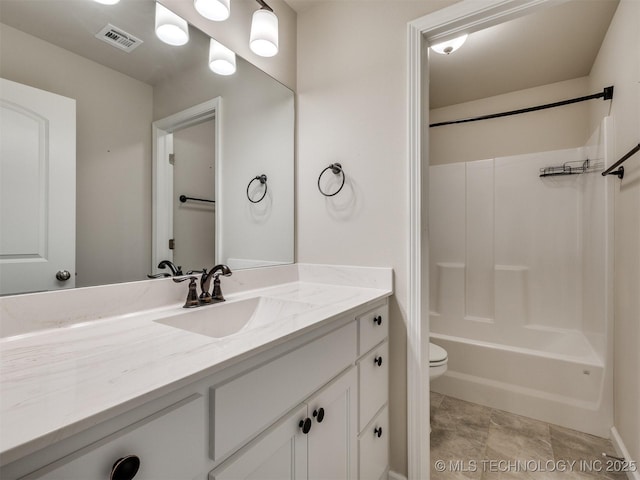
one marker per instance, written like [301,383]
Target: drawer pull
[377,320]
[319,415]
[125,468]
[377,432]
[378,361]
[305,425]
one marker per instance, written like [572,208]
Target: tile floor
[470,441]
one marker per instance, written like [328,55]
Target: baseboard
[622,451]
[397,476]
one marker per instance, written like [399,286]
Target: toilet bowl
[437,361]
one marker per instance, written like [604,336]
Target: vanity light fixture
[216,10]
[221,60]
[450,46]
[107,2]
[263,40]
[170,28]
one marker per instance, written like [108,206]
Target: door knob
[125,468]
[63,275]
[377,320]
[377,432]
[378,361]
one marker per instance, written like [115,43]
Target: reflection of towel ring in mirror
[263,180]
[336,168]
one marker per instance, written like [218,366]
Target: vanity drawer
[170,444]
[373,327]
[373,370]
[250,403]
[374,447]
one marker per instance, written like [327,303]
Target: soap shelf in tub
[571,168]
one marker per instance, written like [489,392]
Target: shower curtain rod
[606,94]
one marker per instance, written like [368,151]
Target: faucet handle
[159,275]
[192,295]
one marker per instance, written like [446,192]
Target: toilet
[437,361]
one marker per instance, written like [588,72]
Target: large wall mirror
[151,126]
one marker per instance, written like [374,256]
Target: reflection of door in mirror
[195,159]
[37,189]
[194,178]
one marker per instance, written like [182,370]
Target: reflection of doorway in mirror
[194,177]
[37,186]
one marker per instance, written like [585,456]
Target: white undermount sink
[224,319]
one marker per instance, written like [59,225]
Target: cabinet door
[333,436]
[279,454]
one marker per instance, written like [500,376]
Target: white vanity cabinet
[309,407]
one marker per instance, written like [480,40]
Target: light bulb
[264,33]
[450,46]
[107,2]
[170,28]
[216,10]
[221,60]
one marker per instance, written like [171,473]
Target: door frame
[467,16]
[162,175]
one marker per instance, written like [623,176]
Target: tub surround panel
[59,381]
[479,287]
[527,243]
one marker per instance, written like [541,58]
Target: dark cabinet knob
[125,468]
[305,425]
[319,415]
[377,320]
[377,432]
[378,361]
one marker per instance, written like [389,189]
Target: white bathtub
[563,381]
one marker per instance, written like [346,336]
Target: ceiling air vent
[118,38]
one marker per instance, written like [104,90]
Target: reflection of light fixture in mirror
[221,60]
[264,31]
[217,10]
[450,46]
[107,2]
[170,28]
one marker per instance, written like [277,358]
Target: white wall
[234,33]
[113,155]
[618,64]
[352,109]
[257,124]
[555,129]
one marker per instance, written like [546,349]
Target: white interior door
[37,189]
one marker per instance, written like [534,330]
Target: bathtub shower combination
[519,284]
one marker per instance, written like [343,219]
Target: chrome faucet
[205,283]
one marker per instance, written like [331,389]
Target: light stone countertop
[57,382]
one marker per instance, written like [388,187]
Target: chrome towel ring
[336,168]
[263,180]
